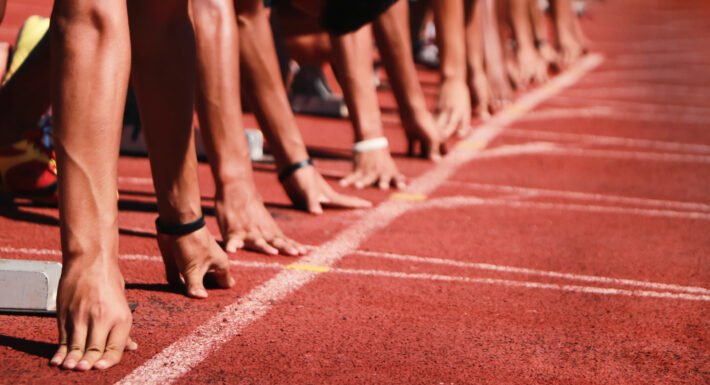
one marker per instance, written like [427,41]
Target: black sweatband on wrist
[181,229]
[288,171]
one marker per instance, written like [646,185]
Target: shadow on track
[36,348]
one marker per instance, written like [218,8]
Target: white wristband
[370,144]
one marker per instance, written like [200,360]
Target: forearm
[493,54]
[474,37]
[392,36]
[353,62]
[450,30]
[522,27]
[262,80]
[90,69]
[163,54]
[218,99]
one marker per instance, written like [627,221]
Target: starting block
[29,287]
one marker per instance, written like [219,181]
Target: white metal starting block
[29,287]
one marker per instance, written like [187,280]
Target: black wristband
[181,229]
[288,171]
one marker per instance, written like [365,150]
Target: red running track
[567,241]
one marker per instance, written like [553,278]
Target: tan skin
[547,52]
[477,78]
[500,91]
[306,187]
[243,219]
[453,110]
[393,40]
[533,68]
[353,62]
[91,58]
[571,41]
[391,30]
[352,55]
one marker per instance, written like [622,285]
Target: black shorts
[343,16]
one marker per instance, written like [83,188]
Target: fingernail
[82,365]
[55,361]
[69,364]
[101,365]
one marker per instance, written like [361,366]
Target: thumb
[313,204]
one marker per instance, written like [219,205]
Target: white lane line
[534,272]
[463,201]
[626,105]
[648,144]
[677,205]
[415,259]
[615,114]
[186,353]
[664,91]
[530,285]
[630,155]
[553,149]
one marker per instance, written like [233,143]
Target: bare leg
[392,35]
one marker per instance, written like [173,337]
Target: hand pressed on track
[308,190]
[194,256]
[375,167]
[93,317]
[421,129]
[245,223]
[453,109]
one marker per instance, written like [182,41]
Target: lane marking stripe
[408,197]
[317,269]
